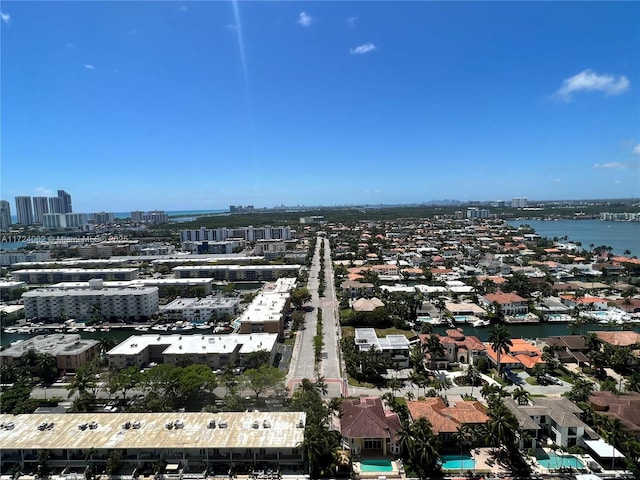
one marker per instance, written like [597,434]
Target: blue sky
[199,105]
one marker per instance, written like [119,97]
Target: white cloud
[616,165]
[5,17]
[588,80]
[351,21]
[362,49]
[304,19]
[44,192]
[88,66]
[636,149]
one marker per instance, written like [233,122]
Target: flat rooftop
[205,344]
[53,344]
[275,430]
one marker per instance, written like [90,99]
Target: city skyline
[201,105]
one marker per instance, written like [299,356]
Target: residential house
[395,348]
[568,348]
[368,428]
[625,408]
[556,418]
[510,303]
[522,354]
[355,289]
[366,304]
[446,420]
[460,347]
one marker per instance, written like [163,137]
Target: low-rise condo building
[216,351]
[70,351]
[187,442]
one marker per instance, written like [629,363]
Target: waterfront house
[460,347]
[522,354]
[394,348]
[368,428]
[555,418]
[446,420]
[509,303]
[568,348]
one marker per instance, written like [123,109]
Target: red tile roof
[445,419]
[504,298]
[366,418]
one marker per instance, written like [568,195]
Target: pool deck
[396,473]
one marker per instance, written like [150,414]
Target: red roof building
[368,427]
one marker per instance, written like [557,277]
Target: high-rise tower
[65,202]
[5,216]
[24,210]
[40,207]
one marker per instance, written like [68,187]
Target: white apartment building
[11,258]
[215,351]
[250,234]
[267,310]
[57,275]
[200,310]
[136,303]
[519,202]
[237,273]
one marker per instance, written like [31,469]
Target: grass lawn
[380,332]
[531,381]
[348,332]
[383,332]
[355,383]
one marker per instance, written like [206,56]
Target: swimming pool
[457,462]
[462,318]
[553,461]
[376,466]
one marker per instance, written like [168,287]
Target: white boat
[481,323]
[142,329]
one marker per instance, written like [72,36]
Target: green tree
[299,297]
[262,378]
[434,347]
[83,381]
[500,340]
[123,381]
[502,425]
[521,396]
[420,448]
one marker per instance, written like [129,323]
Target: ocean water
[620,236]
[178,213]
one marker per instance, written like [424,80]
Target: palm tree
[500,341]
[440,306]
[106,343]
[321,385]
[502,424]
[46,367]
[435,349]
[613,433]
[83,381]
[521,396]
[420,447]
